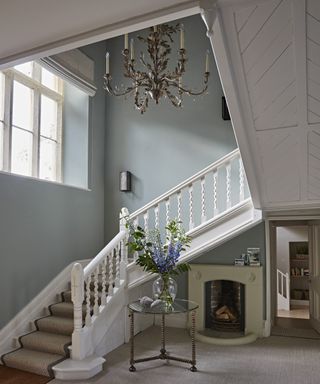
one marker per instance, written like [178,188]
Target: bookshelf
[299,273]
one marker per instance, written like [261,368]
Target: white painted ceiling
[31,26]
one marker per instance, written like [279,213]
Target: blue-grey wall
[165,145]
[45,226]
[75,148]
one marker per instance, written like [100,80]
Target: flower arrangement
[158,257]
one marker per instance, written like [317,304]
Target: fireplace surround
[246,283]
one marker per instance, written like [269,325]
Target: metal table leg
[163,352]
[132,367]
[193,343]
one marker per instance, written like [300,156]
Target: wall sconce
[225,110]
[125,181]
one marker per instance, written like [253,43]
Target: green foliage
[149,245]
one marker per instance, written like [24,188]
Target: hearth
[225,307]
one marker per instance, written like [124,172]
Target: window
[31,102]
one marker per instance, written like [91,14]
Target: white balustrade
[110,262]
[214,182]
[104,282]
[167,211]
[179,206]
[88,301]
[215,193]
[228,185]
[135,225]
[156,216]
[191,223]
[117,279]
[283,289]
[146,221]
[96,292]
[203,200]
[107,268]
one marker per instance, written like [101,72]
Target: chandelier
[155,80]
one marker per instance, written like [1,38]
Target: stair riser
[56,348]
[64,312]
[52,328]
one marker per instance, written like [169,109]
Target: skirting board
[23,322]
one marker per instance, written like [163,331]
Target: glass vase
[165,289]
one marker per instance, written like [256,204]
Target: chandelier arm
[175,100]
[190,91]
[107,86]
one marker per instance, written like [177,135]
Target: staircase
[48,345]
[283,289]
[216,205]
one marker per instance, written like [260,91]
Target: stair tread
[31,361]
[46,342]
[55,324]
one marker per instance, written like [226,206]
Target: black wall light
[225,110]
[125,181]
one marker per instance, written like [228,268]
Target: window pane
[21,152]
[48,159]
[49,79]
[49,116]
[1,145]
[1,95]
[22,106]
[25,68]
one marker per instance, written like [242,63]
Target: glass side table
[179,306]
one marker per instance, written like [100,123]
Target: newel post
[77,297]
[124,216]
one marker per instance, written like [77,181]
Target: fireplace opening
[225,307]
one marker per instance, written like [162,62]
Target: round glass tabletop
[178,306]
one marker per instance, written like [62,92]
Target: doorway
[294,273]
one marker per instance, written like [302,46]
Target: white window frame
[39,89]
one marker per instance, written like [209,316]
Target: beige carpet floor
[279,360]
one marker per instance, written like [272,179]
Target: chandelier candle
[126,41]
[182,37]
[132,49]
[151,78]
[107,63]
[207,61]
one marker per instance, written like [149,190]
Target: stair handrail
[284,277]
[110,263]
[184,184]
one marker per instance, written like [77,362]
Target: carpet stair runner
[40,350]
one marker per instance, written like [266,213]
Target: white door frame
[269,254]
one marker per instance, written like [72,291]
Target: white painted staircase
[216,205]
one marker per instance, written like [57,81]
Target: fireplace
[244,288]
[224,306]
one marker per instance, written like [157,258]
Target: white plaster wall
[284,236]
[118,333]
